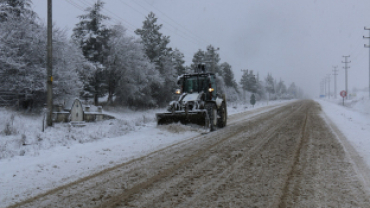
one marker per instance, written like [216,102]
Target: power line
[75,5]
[184,36]
[118,19]
[176,22]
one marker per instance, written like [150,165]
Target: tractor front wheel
[212,114]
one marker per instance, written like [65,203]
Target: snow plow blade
[198,118]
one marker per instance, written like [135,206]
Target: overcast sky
[297,41]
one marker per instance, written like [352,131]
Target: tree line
[101,63]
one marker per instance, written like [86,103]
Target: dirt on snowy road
[285,157]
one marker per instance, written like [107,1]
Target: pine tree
[270,88]
[259,87]
[252,83]
[155,43]
[244,80]
[155,47]
[248,81]
[292,90]
[92,36]
[178,59]
[198,58]
[212,58]
[15,9]
[280,88]
[228,75]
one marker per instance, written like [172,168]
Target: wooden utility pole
[368,46]
[49,66]
[346,67]
[328,77]
[335,70]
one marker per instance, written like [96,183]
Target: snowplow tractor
[198,103]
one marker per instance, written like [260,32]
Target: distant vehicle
[198,103]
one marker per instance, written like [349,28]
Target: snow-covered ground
[32,161]
[353,120]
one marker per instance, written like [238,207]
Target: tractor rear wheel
[222,120]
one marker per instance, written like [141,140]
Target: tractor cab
[199,83]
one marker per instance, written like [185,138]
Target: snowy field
[32,161]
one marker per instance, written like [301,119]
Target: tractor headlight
[211,89]
[178,91]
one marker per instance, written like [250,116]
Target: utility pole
[368,46]
[328,77]
[335,71]
[49,66]
[324,81]
[346,67]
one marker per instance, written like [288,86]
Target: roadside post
[343,93]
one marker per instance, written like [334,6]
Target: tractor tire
[212,114]
[222,116]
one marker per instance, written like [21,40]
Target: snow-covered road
[63,160]
[286,156]
[23,177]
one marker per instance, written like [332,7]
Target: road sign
[343,93]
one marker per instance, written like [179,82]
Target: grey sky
[293,40]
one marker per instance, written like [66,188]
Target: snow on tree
[292,90]
[20,56]
[15,9]
[260,90]
[155,43]
[136,76]
[198,58]
[68,62]
[228,75]
[231,87]
[248,81]
[23,57]
[155,47]
[92,35]
[281,89]
[270,87]
[212,58]
[178,59]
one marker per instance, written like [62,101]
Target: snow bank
[353,120]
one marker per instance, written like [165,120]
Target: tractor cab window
[194,84]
